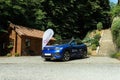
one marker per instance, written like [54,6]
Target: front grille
[48,56]
[48,48]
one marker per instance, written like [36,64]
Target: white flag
[46,37]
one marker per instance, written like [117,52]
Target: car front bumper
[52,56]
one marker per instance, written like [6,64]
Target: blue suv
[65,51]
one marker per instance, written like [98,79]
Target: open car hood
[57,45]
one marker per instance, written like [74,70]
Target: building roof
[25,31]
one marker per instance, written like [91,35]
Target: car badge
[48,49]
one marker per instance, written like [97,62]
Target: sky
[115,1]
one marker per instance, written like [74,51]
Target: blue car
[64,51]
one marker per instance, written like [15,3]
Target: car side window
[73,43]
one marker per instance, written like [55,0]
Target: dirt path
[106,43]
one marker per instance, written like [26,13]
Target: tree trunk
[118,2]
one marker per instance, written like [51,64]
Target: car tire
[66,56]
[84,54]
[47,59]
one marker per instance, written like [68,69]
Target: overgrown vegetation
[92,40]
[115,11]
[116,55]
[66,17]
[115,28]
[116,32]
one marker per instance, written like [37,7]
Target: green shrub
[95,42]
[94,47]
[116,11]
[99,26]
[97,36]
[116,32]
[9,54]
[10,46]
[17,54]
[92,40]
[115,55]
[86,40]
[118,42]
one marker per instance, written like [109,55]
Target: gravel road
[35,68]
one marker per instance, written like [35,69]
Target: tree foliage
[116,32]
[116,24]
[66,17]
[115,11]
[99,26]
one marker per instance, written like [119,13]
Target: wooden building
[25,41]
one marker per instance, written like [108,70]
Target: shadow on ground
[72,59]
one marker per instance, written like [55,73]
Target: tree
[76,16]
[67,17]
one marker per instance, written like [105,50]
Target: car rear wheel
[66,56]
[84,54]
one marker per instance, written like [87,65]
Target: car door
[74,50]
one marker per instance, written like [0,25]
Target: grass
[116,55]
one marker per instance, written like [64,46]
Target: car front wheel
[47,59]
[66,56]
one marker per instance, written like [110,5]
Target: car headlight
[58,48]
